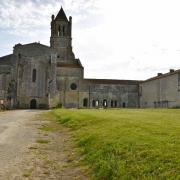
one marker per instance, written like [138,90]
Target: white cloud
[114,39]
[145,30]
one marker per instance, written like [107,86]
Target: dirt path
[32,147]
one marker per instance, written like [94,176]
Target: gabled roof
[61,15]
[162,75]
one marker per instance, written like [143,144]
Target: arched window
[63,30]
[112,103]
[115,103]
[97,103]
[19,56]
[34,75]
[104,103]
[59,30]
[93,103]
[85,102]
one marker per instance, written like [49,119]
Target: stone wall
[162,91]
[35,71]
[39,76]
[89,94]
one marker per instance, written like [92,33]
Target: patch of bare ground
[53,154]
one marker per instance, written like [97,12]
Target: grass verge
[127,143]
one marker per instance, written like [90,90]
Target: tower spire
[61,39]
[61,15]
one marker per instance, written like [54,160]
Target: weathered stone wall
[42,76]
[6,84]
[32,50]
[25,102]
[5,79]
[38,58]
[115,95]
[160,92]
[70,73]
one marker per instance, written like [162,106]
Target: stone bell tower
[61,39]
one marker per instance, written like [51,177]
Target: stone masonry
[39,76]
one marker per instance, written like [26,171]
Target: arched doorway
[112,103]
[85,102]
[105,103]
[93,103]
[124,104]
[33,104]
[115,103]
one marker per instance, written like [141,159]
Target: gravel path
[22,157]
[15,137]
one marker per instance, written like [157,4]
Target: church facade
[39,76]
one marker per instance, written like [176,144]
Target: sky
[117,39]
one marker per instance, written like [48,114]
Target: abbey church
[40,76]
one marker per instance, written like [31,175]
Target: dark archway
[124,104]
[85,102]
[115,103]
[97,103]
[112,103]
[105,104]
[93,103]
[33,104]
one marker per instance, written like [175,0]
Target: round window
[73,86]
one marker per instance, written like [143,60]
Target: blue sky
[132,39]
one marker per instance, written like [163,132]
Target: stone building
[161,91]
[39,76]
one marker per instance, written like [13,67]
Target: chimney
[171,70]
[159,74]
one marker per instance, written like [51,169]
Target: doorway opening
[105,103]
[33,104]
[85,102]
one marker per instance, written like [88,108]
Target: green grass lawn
[127,143]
